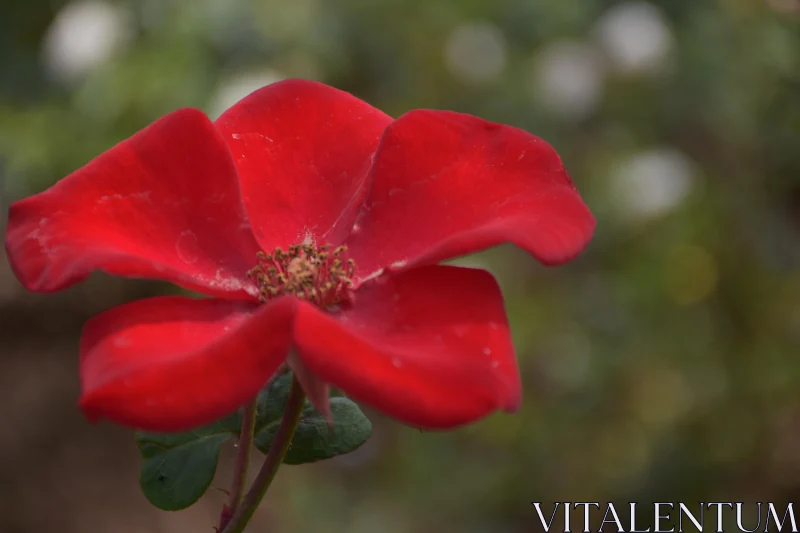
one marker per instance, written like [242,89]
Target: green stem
[243,457]
[277,451]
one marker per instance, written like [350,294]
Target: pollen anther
[317,275]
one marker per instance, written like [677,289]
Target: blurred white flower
[83,36]
[476,52]
[636,37]
[652,183]
[568,78]
[232,89]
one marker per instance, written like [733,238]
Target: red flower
[353,210]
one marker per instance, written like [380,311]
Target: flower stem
[275,455]
[243,458]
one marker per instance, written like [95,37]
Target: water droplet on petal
[187,248]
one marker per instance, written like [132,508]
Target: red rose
[314,223]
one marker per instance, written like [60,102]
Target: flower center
[321,276]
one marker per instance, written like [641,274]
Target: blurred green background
[662,364]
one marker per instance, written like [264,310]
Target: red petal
[317,391]
[446,184]
[303,150]
[173,364]
[430,347]
[162,204]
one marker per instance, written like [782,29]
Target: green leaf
[179,467]
[272,402]
[315,440]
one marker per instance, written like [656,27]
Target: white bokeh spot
[476,52]
[652,183]
[568,78]
[83,36]
[636,38]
